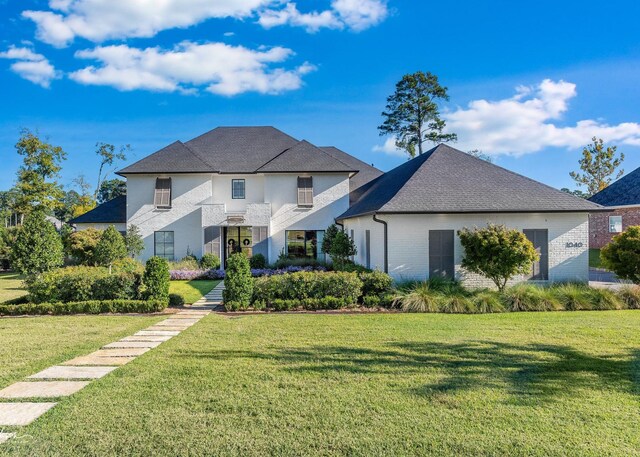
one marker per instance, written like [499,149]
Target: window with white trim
[305,191]
[615,224]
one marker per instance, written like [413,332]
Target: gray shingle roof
[238,150]
[625,191]
[446,180]
[358,182]
[111,212]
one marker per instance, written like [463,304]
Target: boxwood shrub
[84,307]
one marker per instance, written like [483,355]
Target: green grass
[594,258]
[11,286]
[534,384]
[192,291]
[28,345]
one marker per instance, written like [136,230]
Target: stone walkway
[23,402]
[212,301]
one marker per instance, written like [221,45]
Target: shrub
[371,301]
[497,253]
[82,245]
[286,262]
[238,282]
[630,296]
[329,235]
[350,267]
[210,262]
[156,279]
[258,261]
[487,301]
[176,300]
[127,265]
[84,307]
[304,285]
[341,248]
[133,241]
[530,297]
[419,298]
[622,255]
[375,283]
[187,263]
[233,306]
[456,304]
[37,247]
[604,299]
[573,297]
[110,248]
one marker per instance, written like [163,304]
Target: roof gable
[446,180]
[175,158]
[625,191]
[305,157]
[111,212]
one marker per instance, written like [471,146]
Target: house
[113,212]
[258,190]
[406,222]
[623,200]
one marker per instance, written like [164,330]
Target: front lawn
[28,345]
[11,286]
[194,290]
[365,384]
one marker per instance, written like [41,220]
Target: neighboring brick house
[623,199]
[258,190]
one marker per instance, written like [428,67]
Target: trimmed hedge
[84,307]
[346,288]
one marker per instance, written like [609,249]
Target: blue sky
[528,84]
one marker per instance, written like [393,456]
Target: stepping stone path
[73,375]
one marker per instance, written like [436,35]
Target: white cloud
[100,20]
[31,66]
[527,122]
[217,67]
[356,15]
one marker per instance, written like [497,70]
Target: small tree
[599,165]
[238,283]
[110,248]
[38,247]
[622,255]
[497,253]
[82,245]
[156,279]
[342,247]
[133,240]
[329,236]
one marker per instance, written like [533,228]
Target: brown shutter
[162,197]
[260,235]
[305,191]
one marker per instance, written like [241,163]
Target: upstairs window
[162,196]
[615,224]
[305,191]
[237,189]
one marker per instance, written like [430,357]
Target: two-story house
[258,190]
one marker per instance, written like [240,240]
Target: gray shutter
[260,237]
[441,260]
[540,240]
[212,240]
[367,244]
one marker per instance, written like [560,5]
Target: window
[540,240]
[305,244]
[162,196]
[237,188]
[615,224]
[305,191]
[163,245]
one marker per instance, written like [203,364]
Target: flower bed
[189,275]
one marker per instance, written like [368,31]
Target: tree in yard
[108,156]
[110,189]
[497,253]
[36,187]
[329,235]
[85,201]
[342,247]
[412,114]
[598,165]
[622,255]
[110,248]
[82,245]
[133,240]
[38,247]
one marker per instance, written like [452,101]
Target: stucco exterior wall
[408,242]
[599,235]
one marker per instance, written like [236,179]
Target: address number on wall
[574,245]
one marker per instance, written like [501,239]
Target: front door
[238,239]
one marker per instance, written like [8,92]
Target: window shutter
[305,191]
[162,197]
[212,240]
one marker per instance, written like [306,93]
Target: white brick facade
[408,242]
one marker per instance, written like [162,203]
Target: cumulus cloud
[356,15]
[100,20]
[30,65]
[215,67]
[528,122]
